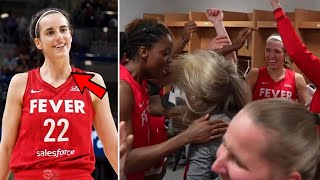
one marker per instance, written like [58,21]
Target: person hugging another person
[148,45]
[209,85]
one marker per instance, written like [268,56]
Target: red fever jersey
[266,87]
[54,137]
[139,116]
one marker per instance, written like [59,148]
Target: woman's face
[158,58]
[54,36]
[274,54]
[241,155]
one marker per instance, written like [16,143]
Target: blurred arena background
[94,48]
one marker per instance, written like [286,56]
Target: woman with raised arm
[208,84]
[297,51]
[215,16]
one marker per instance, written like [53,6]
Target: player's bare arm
[252,78]
[104,124]
[11,121]
[301,88]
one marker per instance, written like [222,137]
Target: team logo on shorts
[50,174]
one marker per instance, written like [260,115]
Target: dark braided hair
[141,32]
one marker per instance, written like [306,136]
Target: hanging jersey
[266,87]
[54,137]
[139,116]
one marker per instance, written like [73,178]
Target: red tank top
[54,137]
[139,116]
[266,87]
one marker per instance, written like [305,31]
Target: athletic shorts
[53,174]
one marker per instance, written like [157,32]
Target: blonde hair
[294,141]
[211,84]
[275,37]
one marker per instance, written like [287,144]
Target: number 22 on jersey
[61,122]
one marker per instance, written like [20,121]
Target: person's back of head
[211,84]
[294,141]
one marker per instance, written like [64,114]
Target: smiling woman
[46,119]
[275,80]
[65,30]
[147,45]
